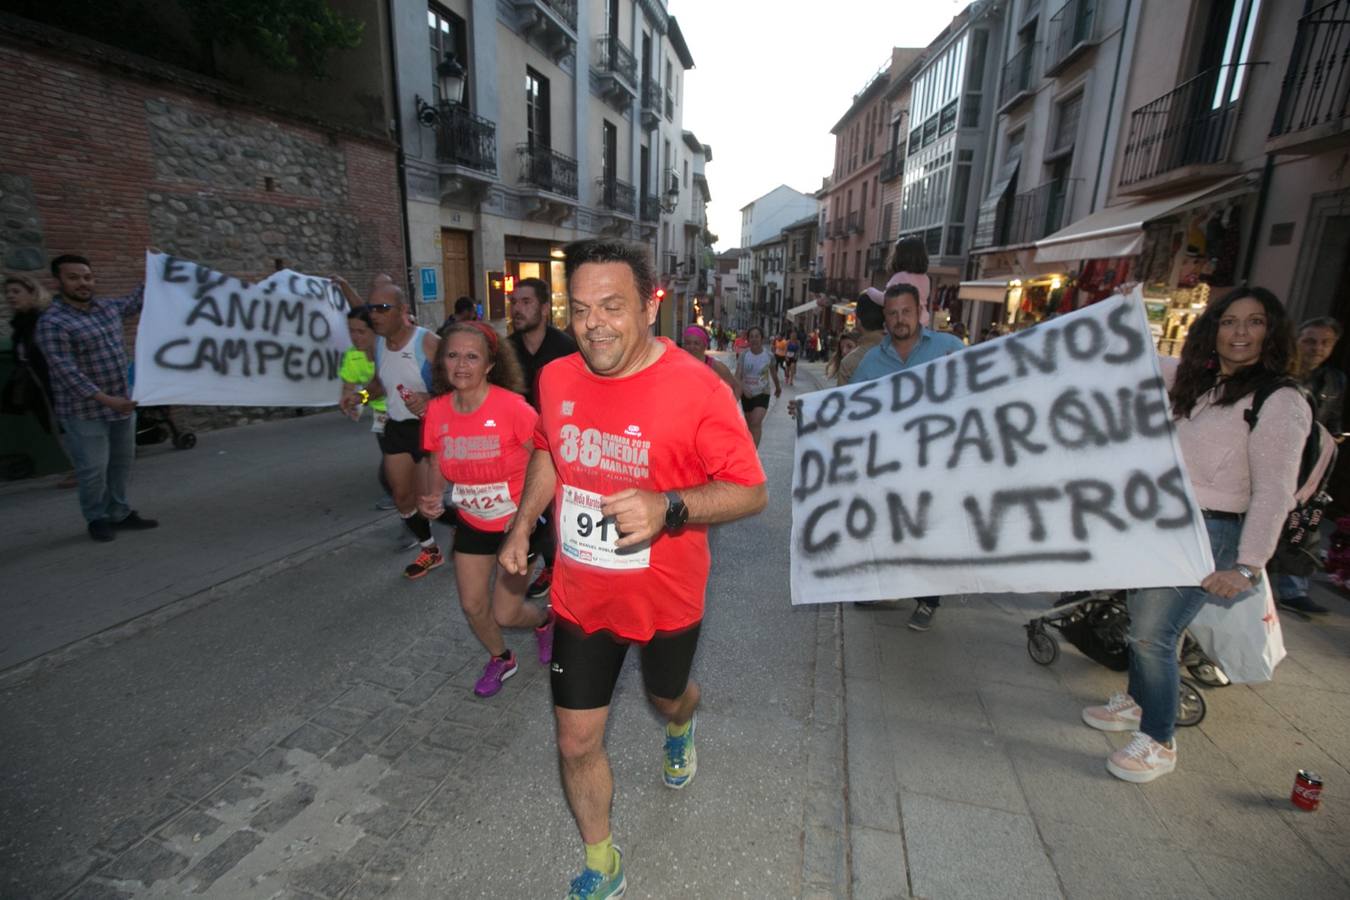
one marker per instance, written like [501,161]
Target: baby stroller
[1097,623]
[155,425]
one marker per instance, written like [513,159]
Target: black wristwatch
[676,512]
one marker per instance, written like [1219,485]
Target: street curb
[129,628]
[827,859]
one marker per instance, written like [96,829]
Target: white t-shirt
[755,369]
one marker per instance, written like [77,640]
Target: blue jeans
[102,450]
[1158,616]
[1288,587]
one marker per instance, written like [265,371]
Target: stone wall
[101,162]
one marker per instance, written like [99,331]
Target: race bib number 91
[589,537]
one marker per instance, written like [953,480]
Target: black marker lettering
[863,394]
[810,545]
[945,425]
[1021,354]
[901,381]
[860,530]
[1011,434]
[971,433]
[902,522]
[978,361]
[875,469]
[810,474]
[1118,321]
[842,470]
[1171,484]
[930,377]
[1084,339]
[1143,507]
[1088,495]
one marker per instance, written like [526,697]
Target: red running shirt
[673,425]
[483,454]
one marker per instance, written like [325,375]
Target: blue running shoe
[681,760]
[593,885]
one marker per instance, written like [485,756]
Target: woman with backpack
[1244,477]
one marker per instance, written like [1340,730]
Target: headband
[699,331]
[487,331]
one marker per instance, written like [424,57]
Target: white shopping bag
[1245,638]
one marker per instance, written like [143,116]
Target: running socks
[601,856]
[420,527]
[673,730]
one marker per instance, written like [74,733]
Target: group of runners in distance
[607,465]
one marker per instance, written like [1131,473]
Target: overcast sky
[769,81]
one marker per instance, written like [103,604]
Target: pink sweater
[1254,471]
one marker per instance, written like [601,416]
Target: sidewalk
[218,521]
[971,774]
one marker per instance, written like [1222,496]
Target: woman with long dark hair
[1244,478]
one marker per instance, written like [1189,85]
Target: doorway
[457,266]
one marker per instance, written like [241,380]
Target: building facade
[762,222]
[570,125]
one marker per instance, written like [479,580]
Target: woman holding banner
[478,434]
[1244,478]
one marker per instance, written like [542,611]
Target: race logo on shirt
[620,454]
[475,447]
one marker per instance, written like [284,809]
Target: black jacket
[1328,389]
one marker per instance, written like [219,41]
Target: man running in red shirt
[642,448]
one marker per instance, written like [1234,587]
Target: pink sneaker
[544,635]
[1142,759]
[1120,713]
[494,673]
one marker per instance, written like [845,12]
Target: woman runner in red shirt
[478,431]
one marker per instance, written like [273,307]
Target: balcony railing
[876,256]
[463,139]
[1015,82]
[1040,211]
[1316,89]
[617,195]
[893,164]
[1069,32]
[1191,125]
[613,57]
[548,170]
[651,208]
[566,9]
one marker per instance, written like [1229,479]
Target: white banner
[1041,461]
[210,339]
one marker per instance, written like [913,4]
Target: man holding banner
[908,344]
[81,337]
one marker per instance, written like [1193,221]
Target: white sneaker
[1142,759]
[1120,713]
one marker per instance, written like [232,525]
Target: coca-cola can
[1307,791]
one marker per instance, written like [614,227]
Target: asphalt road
[306,727]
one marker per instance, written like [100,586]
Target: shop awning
[845,309]
[802,309]
[1117,230]
[986,291]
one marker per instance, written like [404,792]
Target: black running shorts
[759,401]
[585,667]
[476,542]
[402,436]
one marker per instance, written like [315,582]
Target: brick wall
[102,162]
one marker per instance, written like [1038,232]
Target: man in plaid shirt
[81,336]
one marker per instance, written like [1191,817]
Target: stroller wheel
[1208,674]
[1190,704]
[185,441]
[1041,647]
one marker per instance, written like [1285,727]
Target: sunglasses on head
[380,307]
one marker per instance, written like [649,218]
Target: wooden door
[457,264]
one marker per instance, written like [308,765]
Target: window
[448,35]
[538,131]
[862,203]
[1067,114]
[686,173]
[609,160]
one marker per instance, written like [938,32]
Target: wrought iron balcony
[876,256]
[1189,128]
[893,164]
[463,139]
[613,58]
[548,170]
[615,195]
[1040,211]
[1069,32]
[550,23]
[1015,82]
[651,104]
[1315,97]
[651,208]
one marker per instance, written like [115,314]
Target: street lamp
[450,80]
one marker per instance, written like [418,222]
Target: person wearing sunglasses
[403,376]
